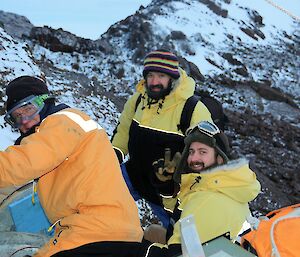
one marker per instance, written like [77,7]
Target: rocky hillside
[234,50]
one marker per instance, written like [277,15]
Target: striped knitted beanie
[161,61]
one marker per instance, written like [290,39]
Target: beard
[158,91]
[199,167]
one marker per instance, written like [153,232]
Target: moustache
[199,164]
[157,86]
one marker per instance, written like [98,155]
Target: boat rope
[15,191]
[295,17]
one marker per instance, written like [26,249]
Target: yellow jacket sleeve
[121,136]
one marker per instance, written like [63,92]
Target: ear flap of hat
[223,146]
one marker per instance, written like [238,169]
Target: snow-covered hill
[246,53]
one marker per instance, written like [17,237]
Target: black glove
[164,168]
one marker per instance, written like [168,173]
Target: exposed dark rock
[140,35]
[58,40]
[215,8]
[226,81]
[252,31]
[104,46]
[275,162]
[265,90]
[75,66]
[229,57]
[213,63]
[119,73]
[259,33]
[249,32]
[187,48]
[241,71]
[191,69]
[257,18]
[139,54]
[177,35]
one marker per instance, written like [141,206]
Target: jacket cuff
[119,154]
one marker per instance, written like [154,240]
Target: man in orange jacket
[79,182]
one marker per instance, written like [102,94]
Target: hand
[155,234]
[165,168]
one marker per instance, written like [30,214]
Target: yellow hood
[184,91]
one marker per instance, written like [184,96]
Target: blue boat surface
[23,225]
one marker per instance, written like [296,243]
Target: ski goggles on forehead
[25,110]
[205,127]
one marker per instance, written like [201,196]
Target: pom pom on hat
[161,61]
[22,87]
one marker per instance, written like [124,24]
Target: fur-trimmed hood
[234,179]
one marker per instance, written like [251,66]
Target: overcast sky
[88,19]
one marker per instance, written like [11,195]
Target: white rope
[284,10]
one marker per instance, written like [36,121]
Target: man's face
[157,84]
[201,156]
[26,117]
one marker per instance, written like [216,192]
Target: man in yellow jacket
[213,189]
[150,122]
[79,182]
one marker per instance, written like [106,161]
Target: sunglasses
[205,127]
[25,110]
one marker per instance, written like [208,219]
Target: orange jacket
[80,182]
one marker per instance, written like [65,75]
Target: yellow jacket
[218,199]
[168,117]
[80,182]
[144,132]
